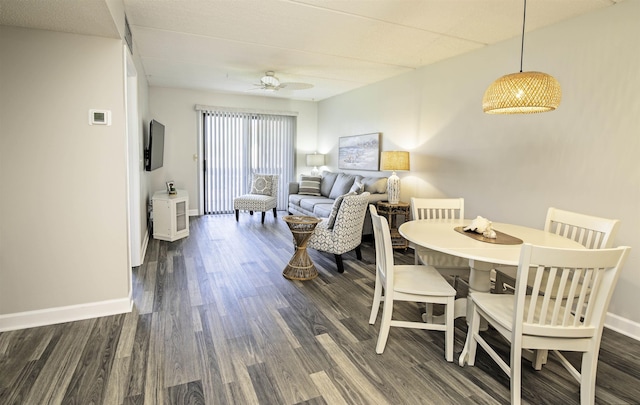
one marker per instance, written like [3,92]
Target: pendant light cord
[524,18]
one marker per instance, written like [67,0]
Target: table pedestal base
[459,311]
[300,266]
[479,280]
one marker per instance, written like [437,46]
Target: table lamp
[315,160]
[392,161]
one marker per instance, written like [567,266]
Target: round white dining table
[441,236]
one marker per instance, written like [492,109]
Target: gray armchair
[342,231]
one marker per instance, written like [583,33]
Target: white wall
[116,8]
[582,157]
[142,126]
[175,108]
[63,238]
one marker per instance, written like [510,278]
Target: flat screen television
[154,153]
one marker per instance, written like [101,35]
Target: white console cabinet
[170,215]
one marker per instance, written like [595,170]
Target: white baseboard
[51,316]
[622,325]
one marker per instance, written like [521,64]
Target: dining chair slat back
[437,208]
[590,231]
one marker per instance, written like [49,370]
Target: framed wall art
[359,152]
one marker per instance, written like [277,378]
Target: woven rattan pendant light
[523,92]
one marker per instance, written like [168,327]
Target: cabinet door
[181,216]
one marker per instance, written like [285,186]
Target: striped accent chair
[262,198]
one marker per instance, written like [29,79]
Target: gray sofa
[333,185]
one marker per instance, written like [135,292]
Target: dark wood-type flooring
[215,322]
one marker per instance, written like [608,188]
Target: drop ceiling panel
[88,17]
[487,21]
[336,45]
[308,29]
[171,54]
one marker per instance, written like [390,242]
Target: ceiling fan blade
[296,86]
[263,87]
[270,83]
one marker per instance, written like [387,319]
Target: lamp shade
[522,93]
[315,159]
[394,161]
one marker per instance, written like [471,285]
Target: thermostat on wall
[99,117]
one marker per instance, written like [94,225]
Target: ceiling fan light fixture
[269,79]
[270,83]
[522,93]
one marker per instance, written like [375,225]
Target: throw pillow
[328,178]
[342,185]
[309,185]
[357,187]
[334,210]
[261,184]
[375,184]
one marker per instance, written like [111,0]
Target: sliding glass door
[238,144]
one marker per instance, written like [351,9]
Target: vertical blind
[239,144]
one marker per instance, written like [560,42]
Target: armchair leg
[339,263]
[263,212]
[358,253]
[275,213]
[237,212]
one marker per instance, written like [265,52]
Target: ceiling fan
[269,82]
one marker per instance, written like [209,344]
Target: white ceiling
[336,45]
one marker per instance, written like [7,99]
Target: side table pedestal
[300,266]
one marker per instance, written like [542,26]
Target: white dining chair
[591,232]
[414,283]
[449,266]
[534,318]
